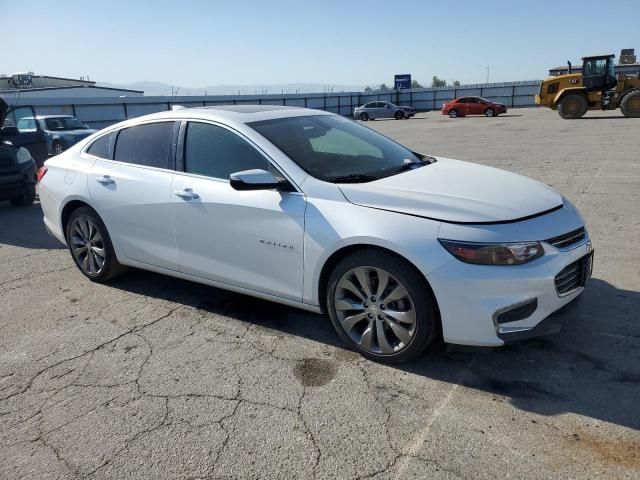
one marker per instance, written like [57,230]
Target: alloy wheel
[375,310]
[58,148]
[87,245]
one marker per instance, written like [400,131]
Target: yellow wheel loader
[596,87]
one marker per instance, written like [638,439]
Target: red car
[461,107]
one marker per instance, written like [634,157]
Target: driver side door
[30,135]
[249,239]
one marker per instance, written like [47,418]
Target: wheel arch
[68,209]
[566,91]
[335,257]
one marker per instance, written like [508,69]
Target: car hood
[456,191]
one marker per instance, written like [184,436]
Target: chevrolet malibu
[314,210]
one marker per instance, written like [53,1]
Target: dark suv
[18,171]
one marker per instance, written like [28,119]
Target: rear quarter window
[102,147]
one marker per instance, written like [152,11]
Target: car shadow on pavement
[608,117]
[24,227]
[591,368]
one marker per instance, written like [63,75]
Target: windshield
[64,123]
[335,149]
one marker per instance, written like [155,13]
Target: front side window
[27,125]
[217,152]
[596,67]
[335,149]
[148,145]
[64,123]
[17,114]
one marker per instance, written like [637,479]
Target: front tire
[630,105]
[572,106]
[489,112]
[453,113]
[26,199]
[381,306]
[399,115]
[364,116]
[91,247]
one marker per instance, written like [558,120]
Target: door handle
[187,194]
[105,180]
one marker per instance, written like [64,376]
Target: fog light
[518,311]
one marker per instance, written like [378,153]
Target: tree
[383,87]
[436,82]
[415,84]
[456,83]
[368,90]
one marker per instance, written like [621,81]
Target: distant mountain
[162,89]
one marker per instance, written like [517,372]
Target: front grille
[574,275]
[567,239]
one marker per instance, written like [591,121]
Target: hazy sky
[200,43]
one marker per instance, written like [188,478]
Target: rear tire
[90,246]
[572,106]
[364,116]
[630,105]
[453,113]
[26,199]
[405,320]
[489,112]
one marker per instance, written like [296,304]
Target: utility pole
[487,74]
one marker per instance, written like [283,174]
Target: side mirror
[257,179]
[9,131]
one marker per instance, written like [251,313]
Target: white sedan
[313,210]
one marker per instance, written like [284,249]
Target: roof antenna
[569,64]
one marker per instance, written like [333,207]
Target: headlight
[493,253]
[23,155]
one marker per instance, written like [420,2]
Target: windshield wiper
[404,167]
[353,178]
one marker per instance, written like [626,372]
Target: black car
[18,170]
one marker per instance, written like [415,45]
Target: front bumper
[470,297]
[14,184]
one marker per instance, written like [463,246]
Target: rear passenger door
[130,184]
[474,107]
[463,106]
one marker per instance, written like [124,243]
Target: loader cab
[598,73]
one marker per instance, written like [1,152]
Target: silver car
[373,110]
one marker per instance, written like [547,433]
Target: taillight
[41,173]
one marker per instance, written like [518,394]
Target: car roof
[235,113]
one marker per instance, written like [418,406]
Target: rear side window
[148,145]
[217,152]
[102,147]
